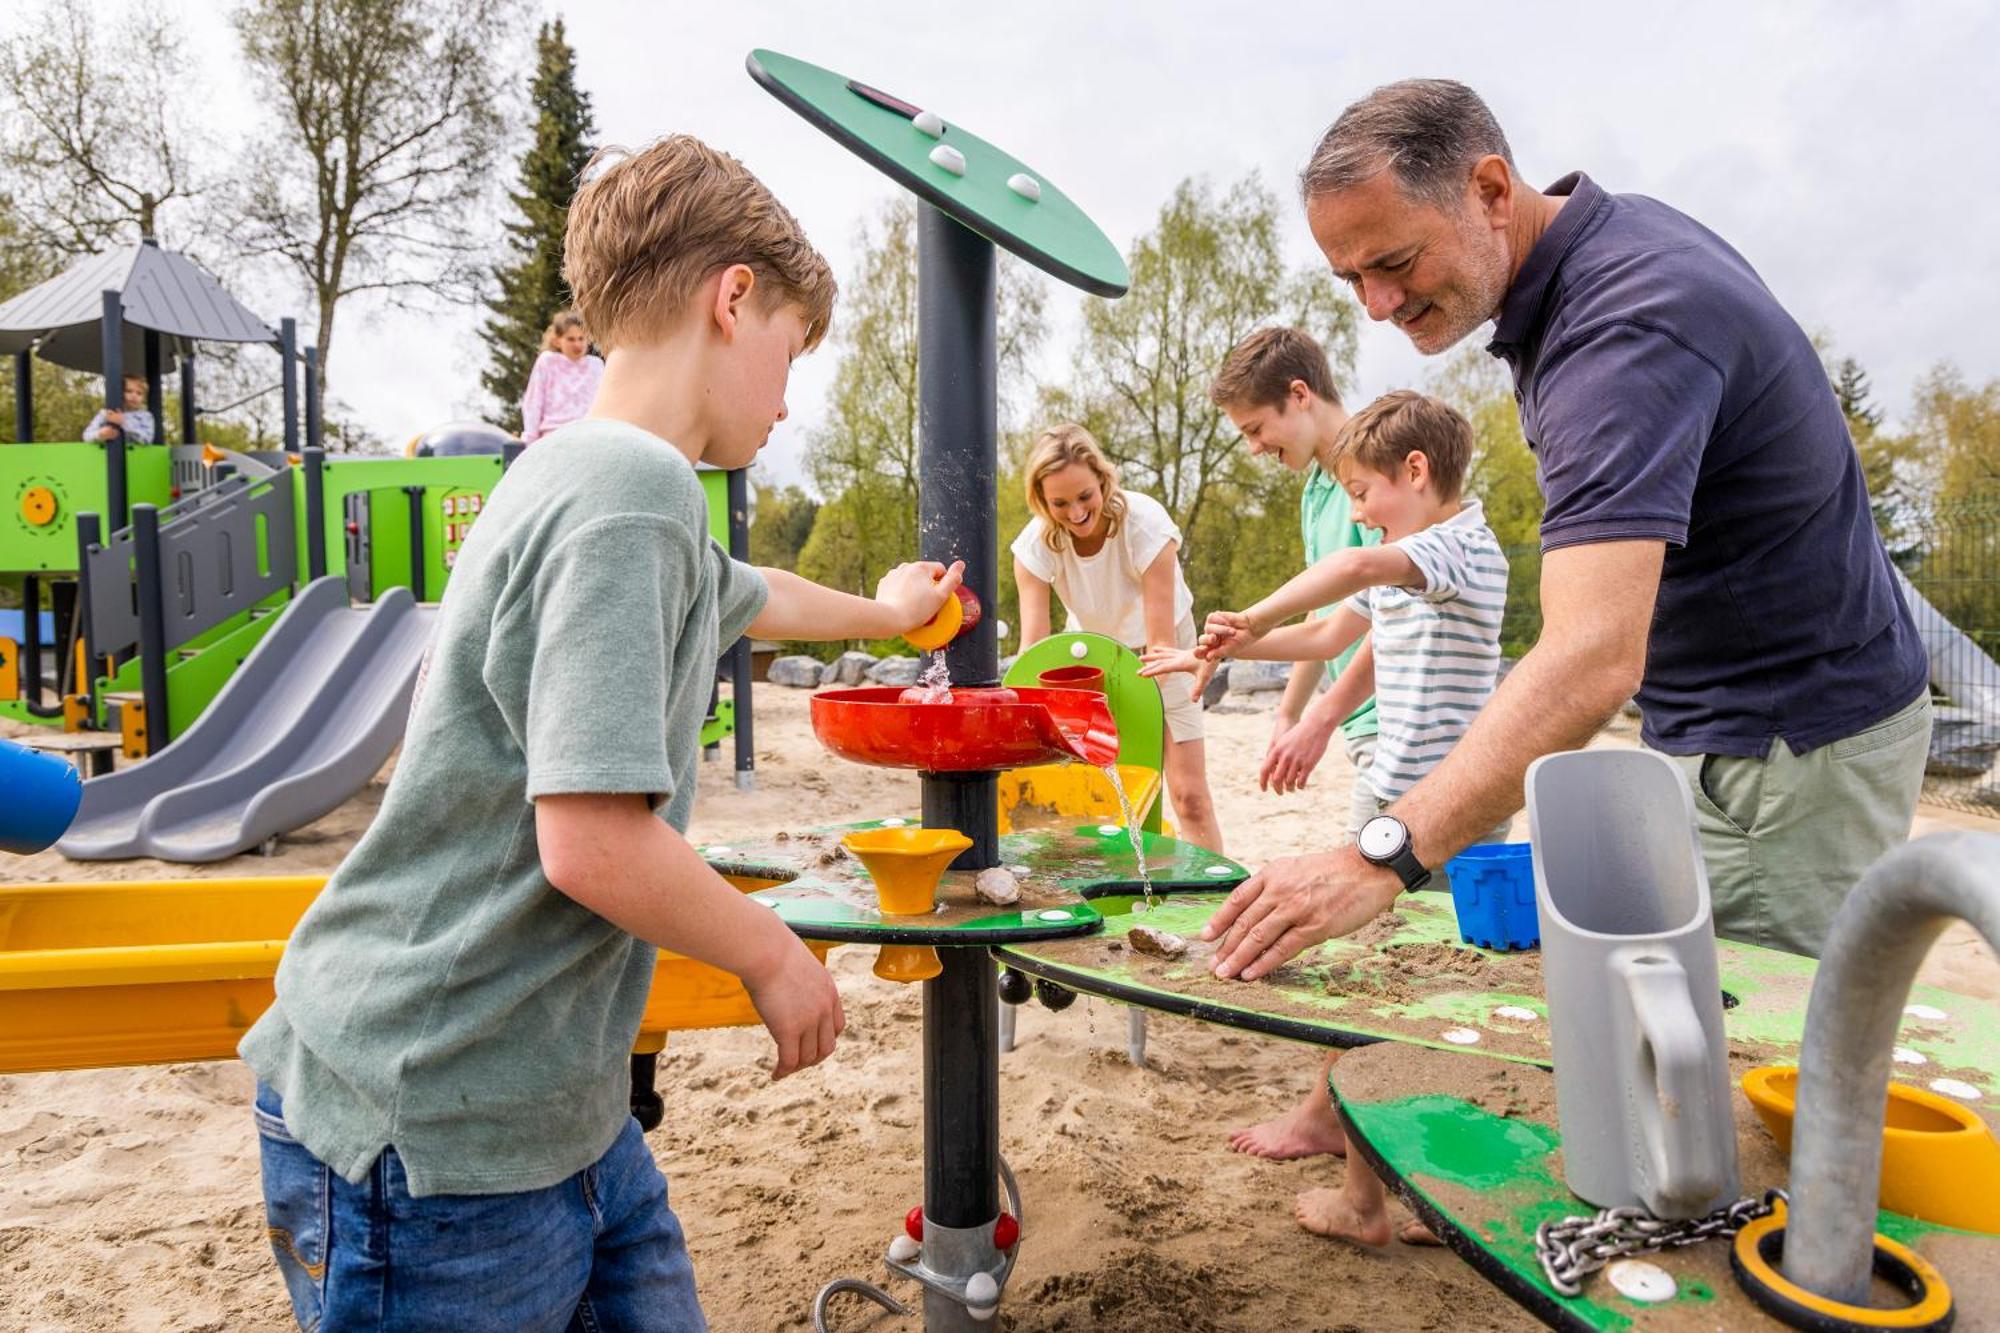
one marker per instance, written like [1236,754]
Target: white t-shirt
[1104,593]
[1437,648]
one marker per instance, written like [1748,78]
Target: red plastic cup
[1072,678]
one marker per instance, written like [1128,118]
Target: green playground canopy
[161,292]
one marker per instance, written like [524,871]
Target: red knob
[913,1222]
[1006,1232]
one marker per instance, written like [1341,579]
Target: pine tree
[531,289]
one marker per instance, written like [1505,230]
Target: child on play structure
[1429,600]
[564,380]
[1112,555]
[134,420]
[443,1081]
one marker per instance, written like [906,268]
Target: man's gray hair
[1429,132]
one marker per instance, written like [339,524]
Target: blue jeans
[599,1251]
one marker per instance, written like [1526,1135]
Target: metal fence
[1951,557]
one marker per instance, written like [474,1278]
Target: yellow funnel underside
[1940,1162]
[906,864]
[907,963]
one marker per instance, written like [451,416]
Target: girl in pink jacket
[564,379]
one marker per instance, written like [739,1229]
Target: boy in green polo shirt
[1278,390]
[442,1081]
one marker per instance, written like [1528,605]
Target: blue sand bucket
[1493,890]
[39,795]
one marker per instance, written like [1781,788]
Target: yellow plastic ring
[1759,1247]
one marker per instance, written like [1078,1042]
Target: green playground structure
[165,567]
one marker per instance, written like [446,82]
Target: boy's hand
[917,591]
[800,1008]
[1226,634]
[1295,752]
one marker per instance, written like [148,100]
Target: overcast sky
[1847,149]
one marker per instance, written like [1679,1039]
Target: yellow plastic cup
[1940,1162]
[906,864]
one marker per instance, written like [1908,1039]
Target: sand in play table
[129,1197]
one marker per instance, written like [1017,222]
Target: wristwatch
[1385,841]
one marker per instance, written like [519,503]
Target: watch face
[1382,837]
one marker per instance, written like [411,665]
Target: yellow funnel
[905,864]
[907,962]
[1939,1160]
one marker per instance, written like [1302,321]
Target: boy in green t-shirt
[1278,390]
[443,1078]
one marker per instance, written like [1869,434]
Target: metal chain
[1576,1247]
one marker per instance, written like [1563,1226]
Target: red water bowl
[978,730]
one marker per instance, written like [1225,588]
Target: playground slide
[305,722]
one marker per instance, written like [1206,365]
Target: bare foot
[1307,1130]
[1414,1232]
[1327,1212]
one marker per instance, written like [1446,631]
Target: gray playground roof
[161,291]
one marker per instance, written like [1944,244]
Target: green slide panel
[43,487]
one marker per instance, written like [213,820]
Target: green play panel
[1472,1146]
[1407,978]
[825,894]
[1050,232]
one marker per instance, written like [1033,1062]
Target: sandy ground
[129,1197]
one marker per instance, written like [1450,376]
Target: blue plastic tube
[39,795]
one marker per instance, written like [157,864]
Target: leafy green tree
[377,175]
[862,459]
[531,286]
[1955,450]
[784,521]
[1211,270]
[98,142]
[1502,477]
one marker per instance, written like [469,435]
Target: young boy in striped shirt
[1429,599]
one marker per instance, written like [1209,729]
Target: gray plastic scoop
[1635,1008]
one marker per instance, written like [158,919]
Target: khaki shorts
[1183,710]
[1787,836]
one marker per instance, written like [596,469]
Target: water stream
[1132,830]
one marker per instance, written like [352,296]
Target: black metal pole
[288,353]
[740,666]
[24,398]
[156,398]
[313,464]
[111,331]
[152,626]
[957,447]
[188,412]
[31,641]
[88,535]
[314,424]
[416,496]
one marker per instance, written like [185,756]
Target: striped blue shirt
[1437,648]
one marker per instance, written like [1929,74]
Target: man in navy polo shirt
[1707,542]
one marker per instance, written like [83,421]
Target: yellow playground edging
[99,974]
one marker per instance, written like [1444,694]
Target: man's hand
[1294,903]
[915,592]
[1293,755]
[800,1008]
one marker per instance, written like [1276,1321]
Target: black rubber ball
[1053,996]
[1015,985]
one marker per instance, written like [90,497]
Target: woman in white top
[1113,557]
